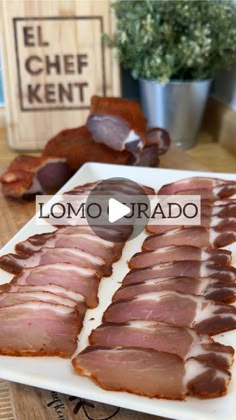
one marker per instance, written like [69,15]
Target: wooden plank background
[34,28]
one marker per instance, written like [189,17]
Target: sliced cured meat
[218,214]
[77,279]
[29,175]
[179,253]
[208,188]
[160,137]
[181,268]
[182,310]
[14,263]
[51,288]
[111,186]
[39,329]
[205,237]
[218,223]
[148,156]
[110,232]
[121,117]
[184,342]
[151,373]
[210,195]
[15,298]
[83,241]
[221,208]
[213,289]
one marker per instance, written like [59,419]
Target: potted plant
[175,48]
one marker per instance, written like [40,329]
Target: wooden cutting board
[21,402]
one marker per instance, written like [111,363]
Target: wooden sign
[54,61]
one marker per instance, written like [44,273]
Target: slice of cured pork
[221,208]
[213,289]
[184,342]
[84,241]
[205,238]
[39,329]
[151,373]
[14,263]
[180,253]
[113,186]
[49,288]
[14,298]
[208,188]
[181,268]
[118,232]
[218,223]
[79,280]
[182,310]
[121,117]
[30,175]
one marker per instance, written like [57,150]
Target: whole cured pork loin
[29,175]
[121,117]
[205,238]
[213,289]
[184,342]
[181,269]
[39,329]
[182,310]
[76,279]
[179,253]
[151,373]
[77,146]
[208,188]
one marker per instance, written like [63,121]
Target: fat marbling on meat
[204,315]
[205,238]
[182,341]
[179,253]
[218,223]
[86,242]
[211,288]
[181,269]
[39,329]
[151,373]
[76,279]
[15,263]
[208,188]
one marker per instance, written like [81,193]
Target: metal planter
[176,106]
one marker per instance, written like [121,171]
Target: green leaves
[175,39]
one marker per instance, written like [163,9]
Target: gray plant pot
[177,106]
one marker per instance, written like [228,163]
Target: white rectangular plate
[57,374]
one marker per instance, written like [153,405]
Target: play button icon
[117,210]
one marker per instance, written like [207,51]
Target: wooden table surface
[20,402]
